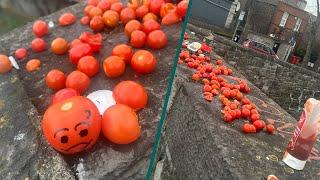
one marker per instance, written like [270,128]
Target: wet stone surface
[197,144]
[105,160]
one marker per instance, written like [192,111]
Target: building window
[284,19]
[298,24]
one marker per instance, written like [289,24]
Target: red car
[260,48]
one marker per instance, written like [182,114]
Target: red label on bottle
[297,132]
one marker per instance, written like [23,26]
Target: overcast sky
[312,6]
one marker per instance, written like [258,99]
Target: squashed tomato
[79,51]
[131,26]
[78,80]
[143,62]
[59,46]
[63,94]
[127,14]
[150,25]
[157,39]
[138,39]
[111,18]
[67,19]
[114,66]
[55,79]
[120,124]
[94,40]
[88,65]
[123,51]
[131,94]
[40,28]
[38,45]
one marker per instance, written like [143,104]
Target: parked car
[260,48]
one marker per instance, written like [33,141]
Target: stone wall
[287,84]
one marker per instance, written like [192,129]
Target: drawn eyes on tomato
[83,133]
[64,139]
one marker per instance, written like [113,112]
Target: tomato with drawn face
[73,125]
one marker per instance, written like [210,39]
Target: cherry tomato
[104,5]
[120,124]
[5,64]
[114,66]
[75,42]
[85,20]
[93,2]
[123,51]
[170,18]
[95,11]
[166,8]
[118,6]
[79,51]
[111,18]
[63,94]
[157,39]
[40,28]
[138,39]
[142,11]
[127,14]
[21,53]
[38,45]
[78,80]
[155,6]
[56,79]
[131,94]
[149,16]
[131,26]
[33,65]
[150,25]
[87,9]
[143,62]
[94,40]
[182,8]
[59,46]
[97,24]
[67,19]
[88,65]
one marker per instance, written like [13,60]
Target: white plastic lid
[103,99]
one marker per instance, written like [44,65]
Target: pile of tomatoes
[231,95]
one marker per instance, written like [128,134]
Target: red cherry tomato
[167,8]
[21,53]
[79,51]
[170,18]
[138,39]
[63,94]
[38,45]
[78,80]
[141,11]
[88,65]
[182,8]
[157,39]
[114,66]
[118,6]
[55,79]
[67,19]
[131,26]
[123,51]
[104,5]
[97,24]
[127,14]
[143,62]
[131,94]
[150,25]
[40,28]
[155,6]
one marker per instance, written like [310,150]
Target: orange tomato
[63,94]
[143,62]
[55,79]
[21,53]
[40,28]
[149,16]
[59,46]
[72,125]
[150,25]
[118,6]
[138,39]
[166,8]
[87,10]
[111,18]
[127,14]
[93,2]
[120,124]
[114,66]
[123,51]
[131,26]
[5,64]
[33,65]
[97,24]
[157,39]
[38,45]
[78,81]
[67,19]
[170,18]
[131,94]
[104,5]
[141,11]
[88,65]
[95,11]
